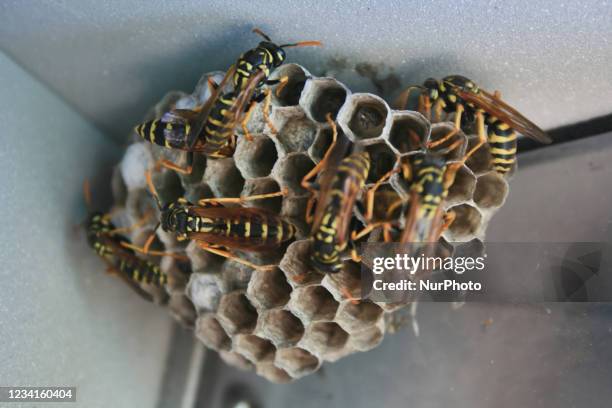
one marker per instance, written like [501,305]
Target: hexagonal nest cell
[283,322]
[409,132]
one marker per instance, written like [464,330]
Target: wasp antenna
[303,44]
[264,35]
[87,193]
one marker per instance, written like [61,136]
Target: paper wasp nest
[285,323]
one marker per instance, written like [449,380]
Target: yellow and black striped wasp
[458,94]
[265,57]
[213,226]
[429,178]
[340,181]
[207,129]
[110,245]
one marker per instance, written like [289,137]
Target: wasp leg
[246,119]
[143,220]
[458,113]
[497,94]
[173,166]
[320,165]
[437,108]
[282,83]
[146,251]
[372,191]
[242,200]
[266,111]
[449,218]
[366,230]
[401,102]
[482,136]
[229,255]
[309,205]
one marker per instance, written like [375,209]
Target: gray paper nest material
[268,322]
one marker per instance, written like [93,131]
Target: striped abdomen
[141,271]
[253,228]
[331,235]
[97,229]
[428,185]
[165,134]
[220,124]
[326,248]
[502,143]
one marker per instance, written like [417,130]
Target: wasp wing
[202,111]
[326,178]
[237,110]
[504,112]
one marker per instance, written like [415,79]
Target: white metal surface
[112,60]
[63,320]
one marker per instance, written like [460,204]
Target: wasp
[429,178]
[336,193]
[208,128]
[110,245]
[213,226]
[458,94]
[265,57]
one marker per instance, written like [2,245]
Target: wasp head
[174,217]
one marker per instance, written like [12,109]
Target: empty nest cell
[313,303]
[491,190]
[365,116]
[223,177]
[409,132]
[296,134]
[268,289]
[322,96]
[210,332]
[236,314]
[255,158]
[296,361]
[281,327]
[254,348]
[291,169]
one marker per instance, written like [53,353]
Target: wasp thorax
[278,54]
[462,82]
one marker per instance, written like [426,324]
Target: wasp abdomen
[502,144]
